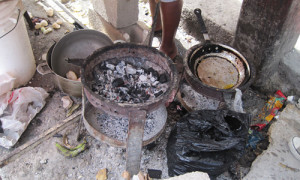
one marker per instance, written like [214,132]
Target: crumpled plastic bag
[17,109]
[208,141]
[6,83]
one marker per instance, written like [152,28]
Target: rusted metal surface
[149,57]
[135,141]
[90,121]
[193,58]
[203,81]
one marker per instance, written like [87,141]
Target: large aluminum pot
[77,44]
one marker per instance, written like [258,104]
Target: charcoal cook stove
[98,111]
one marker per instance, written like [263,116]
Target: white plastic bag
[6,83]
[17,109]
[237,102]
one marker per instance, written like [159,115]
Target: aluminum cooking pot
[79,44]
[213,69]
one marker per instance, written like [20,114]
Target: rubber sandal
[294,145]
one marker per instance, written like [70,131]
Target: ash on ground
[117,127]
[127,83]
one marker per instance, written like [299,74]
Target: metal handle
[202,24]
[40,69]
[150,35]
[75,61]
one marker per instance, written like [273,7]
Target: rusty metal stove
[94,104]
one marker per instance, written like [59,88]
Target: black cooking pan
[213,69]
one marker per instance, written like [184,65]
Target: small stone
[71,75]
[102,174]
[158,93]
[44,57]
[118,82]
[45,161]
[67,102]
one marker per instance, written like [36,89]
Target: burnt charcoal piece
[102,66]
[1,129]
[95,88]
[163,78]
[146,97]
[144,85]
[143,93]
[136,100]
[154,173]
[158,93]
[118,82]
[153,72]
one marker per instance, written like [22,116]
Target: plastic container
[16,56]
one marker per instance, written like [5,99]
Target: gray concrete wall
[266,31]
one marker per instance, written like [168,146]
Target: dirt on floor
[45,162]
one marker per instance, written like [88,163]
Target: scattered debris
[46,30]
[141,176]
[154,173]
[71,75]
[72,152]
[66,142]
[44,57]
[102,174]
[288,167]
[59,21]
[44,23]
[49,11]
[253,138]
[31,144]
[55,26]
[45,161]
[271,109]
[67,102]
[72,109]
[126,175]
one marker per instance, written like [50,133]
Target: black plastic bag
[208,141]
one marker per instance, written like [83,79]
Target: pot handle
[202,24]
[42,71]
[75,61]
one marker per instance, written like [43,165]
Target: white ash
[126,83]
[117,127]
[197,101]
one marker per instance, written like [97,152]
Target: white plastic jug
[16,57]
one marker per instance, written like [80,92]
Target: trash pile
[207,140]
[126,83]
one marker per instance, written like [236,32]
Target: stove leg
[135,141]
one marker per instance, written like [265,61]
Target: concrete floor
[44,162]
[277,162]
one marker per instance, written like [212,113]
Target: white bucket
[16,57]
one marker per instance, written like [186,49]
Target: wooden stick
[38,139]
